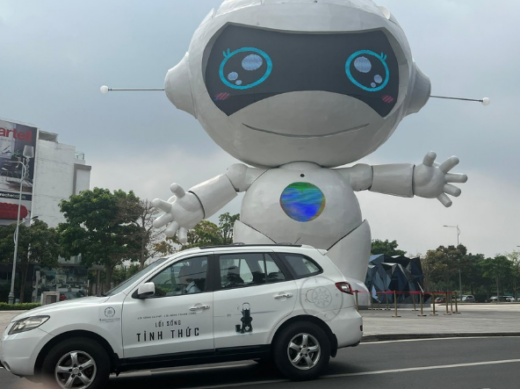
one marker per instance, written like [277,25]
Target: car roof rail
[241,244]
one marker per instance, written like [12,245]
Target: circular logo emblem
[321,297]
[302,201]
[110,312]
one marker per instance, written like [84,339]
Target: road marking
[423,368]
[411,369]
[429,339]
[241,384]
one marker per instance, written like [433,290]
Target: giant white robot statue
[295,89]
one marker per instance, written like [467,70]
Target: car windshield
[135,277]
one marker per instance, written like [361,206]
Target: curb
[385,337]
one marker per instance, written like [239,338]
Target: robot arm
[184,210]
[428,180]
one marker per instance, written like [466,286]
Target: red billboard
[17,152]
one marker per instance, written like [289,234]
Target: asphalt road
[472,363]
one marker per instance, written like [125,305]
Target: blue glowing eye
[252,62]
[362,65]
[245,68]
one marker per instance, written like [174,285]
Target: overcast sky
[55,55]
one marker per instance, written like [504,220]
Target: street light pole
[28,153]
[458,244]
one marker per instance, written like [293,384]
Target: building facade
[56,171]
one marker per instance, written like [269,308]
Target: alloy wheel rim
[304,351]
[75,370]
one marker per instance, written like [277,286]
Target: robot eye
[368,70]
[245,68]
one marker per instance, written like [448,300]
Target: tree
[514,257]
[207,233]
[225,226]
[149,237]
[102,227]
[497,268]
[472,273]
[386,248]
[441,264]
[37,244]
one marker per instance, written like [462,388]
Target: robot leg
[351,255]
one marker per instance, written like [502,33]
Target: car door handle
[283,295]
[199,307]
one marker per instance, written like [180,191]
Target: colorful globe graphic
[302,201]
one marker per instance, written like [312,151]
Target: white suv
[282,303]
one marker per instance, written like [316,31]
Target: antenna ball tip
[104,89]
[486,101]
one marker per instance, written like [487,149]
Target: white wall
[55,179]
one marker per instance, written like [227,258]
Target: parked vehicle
[70,295]
[284,303]
[468,299]
[495,299]
[440,300]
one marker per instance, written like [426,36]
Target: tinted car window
[135,277]
[242,270]
[300,265]
[184,277]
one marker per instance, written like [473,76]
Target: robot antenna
[105,89]
[484,101]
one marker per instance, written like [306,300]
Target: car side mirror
[146,290]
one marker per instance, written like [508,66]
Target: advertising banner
[17,151]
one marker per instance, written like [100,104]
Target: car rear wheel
[301,351]
[77,363]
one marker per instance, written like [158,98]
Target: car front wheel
[301,351]
[77,363]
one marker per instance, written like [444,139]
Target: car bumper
[18,352]
[347,326]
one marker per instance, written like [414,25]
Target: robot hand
[432,180]
[183,210]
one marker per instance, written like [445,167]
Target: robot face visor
[245,65]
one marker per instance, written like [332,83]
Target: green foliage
[386,247]
[498,268]
[122,273]
[18,307]
[37,244]
[441,264]
[225,227]
[207,233]
[102,227]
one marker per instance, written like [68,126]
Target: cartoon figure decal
[246,320]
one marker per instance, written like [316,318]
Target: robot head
[279,81]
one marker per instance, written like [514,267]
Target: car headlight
[27,324]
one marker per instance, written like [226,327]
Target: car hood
[62,305]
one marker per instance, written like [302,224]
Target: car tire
[77,363]
[301,351]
